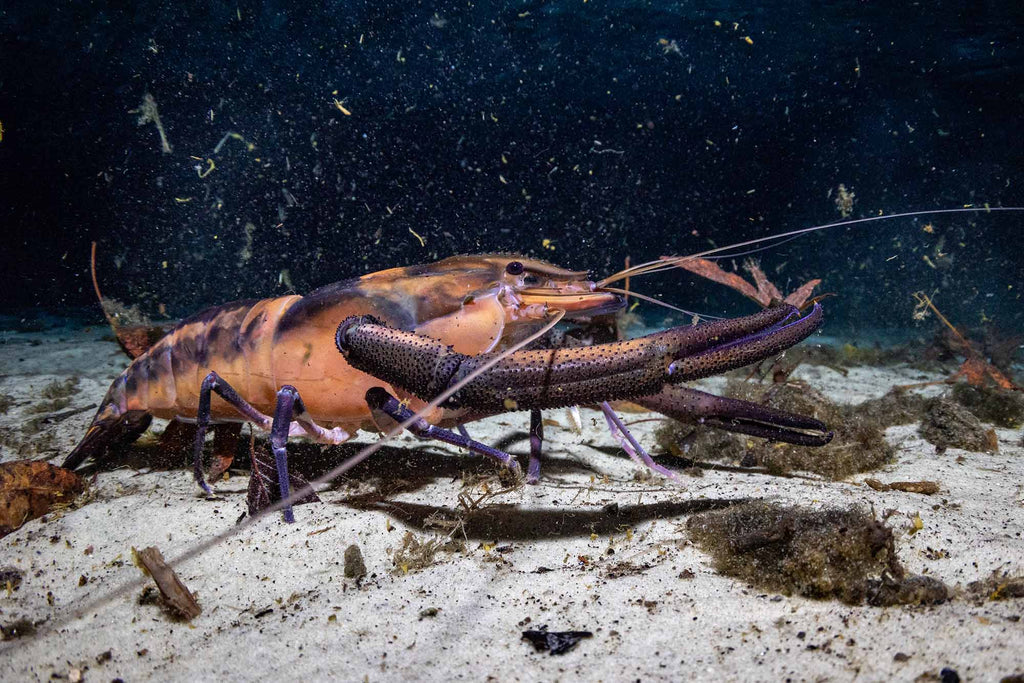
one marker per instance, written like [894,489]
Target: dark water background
[609,128]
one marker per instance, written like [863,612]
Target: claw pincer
[553,378]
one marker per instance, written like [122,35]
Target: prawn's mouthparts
[577,301]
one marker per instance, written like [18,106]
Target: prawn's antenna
[96,286]
[200,548]
[748,252]
[772,239]
[652,300]
[668,262]
[634,271]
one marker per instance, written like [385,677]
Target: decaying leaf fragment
[764,293]
[264,486]
[30,489]
[176,596]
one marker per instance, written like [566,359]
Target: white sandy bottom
[276,604]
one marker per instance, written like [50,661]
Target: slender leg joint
[380,400]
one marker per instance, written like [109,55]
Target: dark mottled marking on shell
[131,380]
[223,335]
[324,299]
[156,363]
[249,331]
[186,347]
[207,314]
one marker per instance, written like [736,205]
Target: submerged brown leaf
[712,271]
[764,293]
[30,489]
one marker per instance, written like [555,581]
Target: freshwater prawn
[275,362]
[453,330]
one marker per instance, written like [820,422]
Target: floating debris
[148,113]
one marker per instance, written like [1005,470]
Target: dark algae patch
[897,407]
[57,389]
[1001,407]
[355,567]
[57,396]
[999,586]
[18,628]
[859,444]
[947,424]
[912,590]
[842,554]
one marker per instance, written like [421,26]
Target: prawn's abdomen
[256,347]
[165,380]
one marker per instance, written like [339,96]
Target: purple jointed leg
[379,399]
[631,445]
[536,444]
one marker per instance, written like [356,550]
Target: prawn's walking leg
[379,399]
[536,444]
[288,402]
[629,443]
[289,406]
[213,382]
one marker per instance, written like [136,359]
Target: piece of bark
[177,597]
[926,488]
[30,489]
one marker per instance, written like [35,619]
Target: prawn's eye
[514,268]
